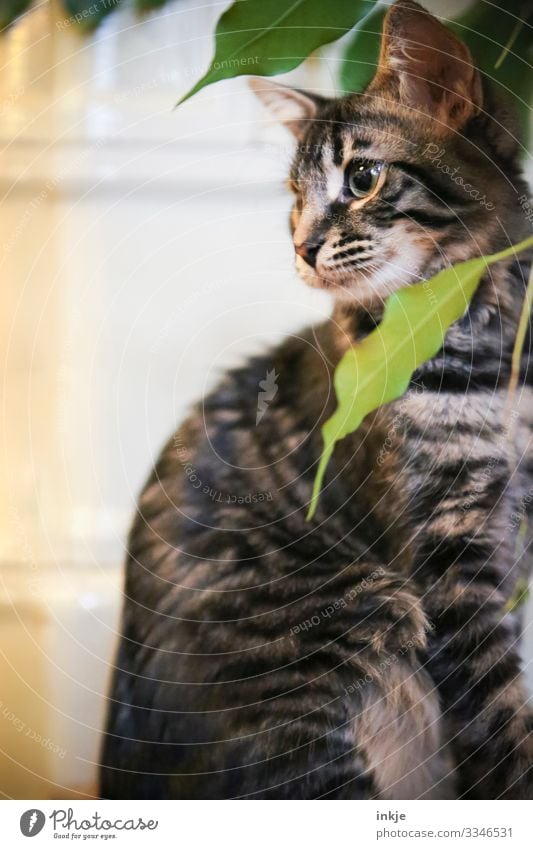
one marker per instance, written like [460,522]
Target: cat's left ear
[295,109]
[432,69]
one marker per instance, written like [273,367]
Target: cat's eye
[365,177]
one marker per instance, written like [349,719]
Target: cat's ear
[295,109]
[433,70]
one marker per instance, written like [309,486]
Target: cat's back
[235,478]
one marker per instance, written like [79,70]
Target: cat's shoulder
[280,378]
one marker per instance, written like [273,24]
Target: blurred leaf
[488,28]
[361,55]
[266,38]
[379,369]
[90,13]
[10,10]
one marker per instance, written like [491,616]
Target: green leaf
[267,37]
[379,369]
[361,55]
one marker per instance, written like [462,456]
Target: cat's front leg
[474,662]
[467,573]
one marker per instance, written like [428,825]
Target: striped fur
[367,654]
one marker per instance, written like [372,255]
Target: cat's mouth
[340,277]
[374,276]
[339,264]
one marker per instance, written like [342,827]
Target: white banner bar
[264,825]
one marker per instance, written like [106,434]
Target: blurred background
[143,251]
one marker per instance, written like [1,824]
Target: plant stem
[506,50]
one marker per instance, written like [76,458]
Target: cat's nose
[309,249]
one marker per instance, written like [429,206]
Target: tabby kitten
[367,654]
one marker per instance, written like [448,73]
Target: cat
[371,652]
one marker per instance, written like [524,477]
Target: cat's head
[393,183]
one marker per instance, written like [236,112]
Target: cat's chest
[430,447]
[426,460]
[447,427]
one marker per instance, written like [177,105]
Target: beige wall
[143,251]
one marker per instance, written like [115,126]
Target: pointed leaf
[379,369]
[266,38]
